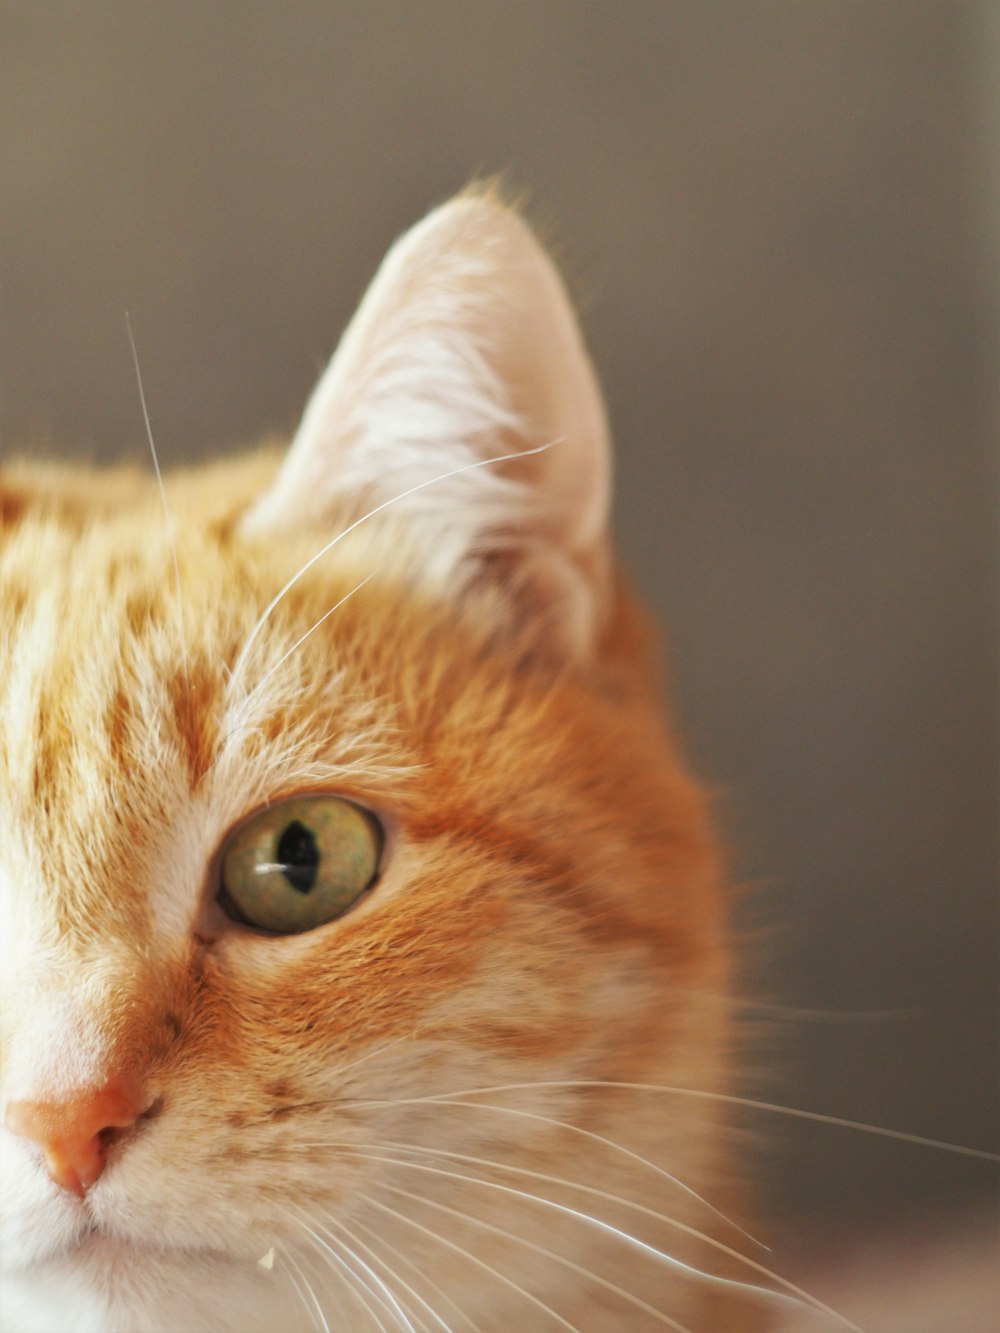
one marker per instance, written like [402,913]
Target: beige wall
[776,216]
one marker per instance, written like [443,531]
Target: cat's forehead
[89,596]
[92,640]
[128,744]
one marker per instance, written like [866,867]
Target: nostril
[105,1137]
[111,1134]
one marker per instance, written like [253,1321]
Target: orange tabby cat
[354,895]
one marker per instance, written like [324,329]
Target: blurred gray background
[781,220]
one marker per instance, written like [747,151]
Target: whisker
[302,1297]
[248,703]
[355,1240]
[320,1322]
[358,1281]
[608,1143]
[541,1249]
[802,1013]
[394,1306]
[369,1055]
[168,518]
[438,1291]
[378,509]
[474,1258]
[790,1291]
[348,1279]
[728,1099]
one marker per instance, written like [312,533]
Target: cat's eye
[299,863]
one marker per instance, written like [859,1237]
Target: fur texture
[549,922]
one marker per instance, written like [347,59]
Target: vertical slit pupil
[298,856]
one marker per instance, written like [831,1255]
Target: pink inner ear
[464,349]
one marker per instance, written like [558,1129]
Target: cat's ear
[465,349]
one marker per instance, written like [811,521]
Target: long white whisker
[358,1283]
[438,1291]
[790,1290]
[320,1322]
[474,1258]
[369,1055]
[386,504]
[301,1295]
[301,640]
[728,1099]
[541,1249]
[393,1305]
[608,1143]
[167,516]
[602,1225]
[377,1258]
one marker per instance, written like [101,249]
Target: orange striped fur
[550,912]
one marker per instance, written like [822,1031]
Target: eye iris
[298,856]
[299,863]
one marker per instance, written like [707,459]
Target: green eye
[299,863]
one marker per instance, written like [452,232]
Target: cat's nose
[74,1132]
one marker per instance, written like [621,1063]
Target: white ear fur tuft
[465,348]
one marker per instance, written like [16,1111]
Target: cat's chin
[114,1257]
[96,1254]
[97,1248]
[102,1283]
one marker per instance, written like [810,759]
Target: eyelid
[364,801]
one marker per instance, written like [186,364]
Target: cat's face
[328,887]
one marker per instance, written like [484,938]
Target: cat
[366,941]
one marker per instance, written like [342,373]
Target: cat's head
[330,798]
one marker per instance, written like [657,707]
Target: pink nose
[74,1132]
